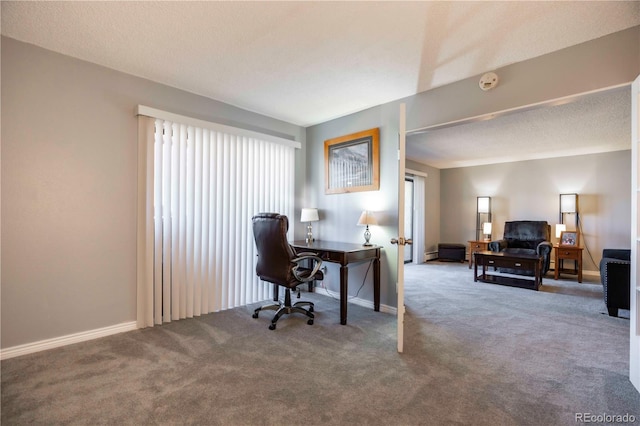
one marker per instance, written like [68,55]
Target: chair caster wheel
[310,322]
[272,327]
[255,315]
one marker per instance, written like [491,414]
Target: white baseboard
[69,339]
[357,301]
[430,256]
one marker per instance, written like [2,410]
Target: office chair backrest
[274,252]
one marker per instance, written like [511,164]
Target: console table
[521,262]
[345,254]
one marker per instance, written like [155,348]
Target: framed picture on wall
[352,162]
[569,238]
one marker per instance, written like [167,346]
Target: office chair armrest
[306,256]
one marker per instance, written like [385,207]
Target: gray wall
[340,212]
[529,190]
[69,163]
[605,62]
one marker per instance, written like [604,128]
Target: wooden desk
[569,253]
[346,254]
[476,246]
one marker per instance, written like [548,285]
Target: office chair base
[284,308]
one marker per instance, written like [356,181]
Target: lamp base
[367,237]
[309,238]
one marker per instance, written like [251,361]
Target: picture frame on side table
[569,239]
[352,162]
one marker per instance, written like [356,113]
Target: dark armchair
[279,264]
[615,274]
[527,237]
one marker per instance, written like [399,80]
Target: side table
[568,253]
[475,246]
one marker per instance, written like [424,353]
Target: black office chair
[279,264]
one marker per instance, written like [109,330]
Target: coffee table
[521,262]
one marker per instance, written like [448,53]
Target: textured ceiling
[594,123]
[308,62]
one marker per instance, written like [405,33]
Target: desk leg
[376,284]
[344,274]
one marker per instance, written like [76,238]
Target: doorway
[414,215]
[408,215]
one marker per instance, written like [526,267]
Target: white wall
[529,190]
[69,139]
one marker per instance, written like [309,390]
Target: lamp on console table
[366,219]
[309,215]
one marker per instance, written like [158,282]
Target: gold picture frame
[569,239]
[352,162]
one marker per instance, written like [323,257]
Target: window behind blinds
[199,188]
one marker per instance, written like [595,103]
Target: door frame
[634,327]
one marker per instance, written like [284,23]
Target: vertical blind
[198,189]
[418,206]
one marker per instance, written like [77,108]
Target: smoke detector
[488,81]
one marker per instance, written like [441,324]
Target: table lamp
[366,219]
[308,216]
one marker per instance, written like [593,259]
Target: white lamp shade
[560,228]
[309,215]
[366,218]
[568,203]
[484,204]
[486,228]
